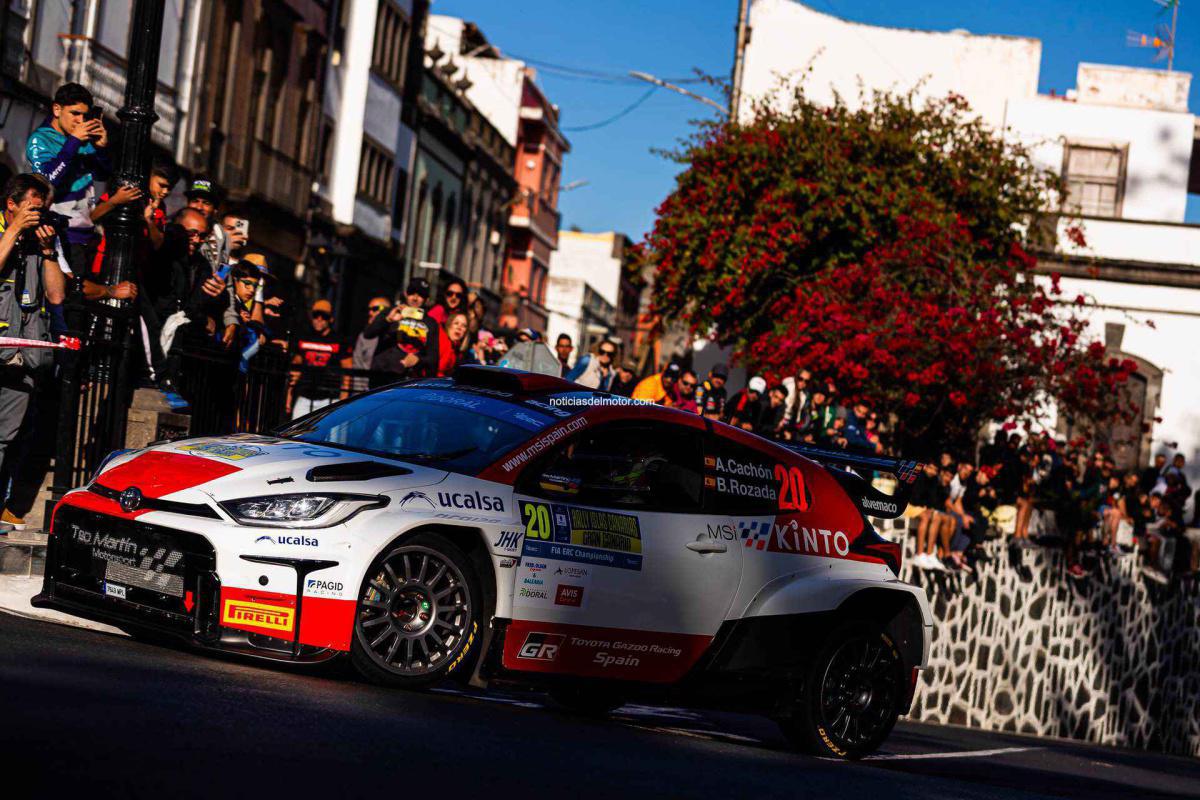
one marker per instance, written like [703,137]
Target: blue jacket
[71,165]
[856,433]
[587,373]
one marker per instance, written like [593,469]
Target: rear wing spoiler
[853,470]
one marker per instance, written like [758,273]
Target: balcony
[280,179]
[1128,250]
[539,217]
[104,75]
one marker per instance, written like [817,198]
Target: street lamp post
[123,227]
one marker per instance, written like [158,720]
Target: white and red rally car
[508,527]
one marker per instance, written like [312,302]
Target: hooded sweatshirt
[70,165]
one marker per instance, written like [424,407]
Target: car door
[619,576]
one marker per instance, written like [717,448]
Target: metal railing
[94,398]
[224,392]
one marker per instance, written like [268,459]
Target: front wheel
[851,694]
[418,614]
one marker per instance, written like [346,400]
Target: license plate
[113,590]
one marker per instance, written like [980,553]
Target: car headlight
[300,510]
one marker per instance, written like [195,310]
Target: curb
[16,592]
[23,554]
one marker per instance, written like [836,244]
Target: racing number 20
[792,496]
[537,521]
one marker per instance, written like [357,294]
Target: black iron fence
[92,399]
[225,391]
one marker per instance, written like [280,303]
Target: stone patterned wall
[1020,646]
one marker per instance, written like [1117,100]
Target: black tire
[586,701]
[418,615]
[850,697]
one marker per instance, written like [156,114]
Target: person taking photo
[30,279]
[70,150]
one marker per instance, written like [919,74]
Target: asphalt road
[106,716]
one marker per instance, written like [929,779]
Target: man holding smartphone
[70,151]
[237,232]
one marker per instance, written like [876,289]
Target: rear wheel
[418,614]
[850,698]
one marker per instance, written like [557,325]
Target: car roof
[512,380]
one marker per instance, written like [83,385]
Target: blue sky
[670,38]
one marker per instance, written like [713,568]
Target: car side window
[622,466]
[738,480]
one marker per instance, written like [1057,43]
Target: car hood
[247,465]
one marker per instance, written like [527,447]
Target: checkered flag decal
[755,533]
[151,571]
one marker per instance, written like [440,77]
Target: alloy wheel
[415,611]
[859,693]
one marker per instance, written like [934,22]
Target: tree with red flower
[886,246]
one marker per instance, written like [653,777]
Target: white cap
[758,384]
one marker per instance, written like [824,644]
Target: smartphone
[95,112]
[223,271]
[242,226]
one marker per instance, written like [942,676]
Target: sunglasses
[321,315]
[191,234]
[454,294]
[376,308]
[687,384]
[609,353]
[248,281]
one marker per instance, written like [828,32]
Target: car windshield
[452,429]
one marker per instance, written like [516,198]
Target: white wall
[588,256]
[1159,142]
[496,82]
[564,301]
[346,93]
[1113,85]
[1134,241]
[788,37]
[1170,344]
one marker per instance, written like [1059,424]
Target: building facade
[576,309]
[238,99]
[47,43]
[505,91]
[258,106]
[603,263]
[365,158]
[1123,138]
[535,220]
[461,188]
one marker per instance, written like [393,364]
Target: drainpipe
[184,76]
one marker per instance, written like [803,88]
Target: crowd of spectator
[796,409]
[199,282]
[1037,491]
[1044,492]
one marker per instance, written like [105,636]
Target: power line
[623,112]
[565,70]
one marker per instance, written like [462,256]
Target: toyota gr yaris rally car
[506,527]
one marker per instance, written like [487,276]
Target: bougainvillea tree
[886,246]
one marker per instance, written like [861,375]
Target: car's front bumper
[142,577]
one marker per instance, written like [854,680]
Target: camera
[28,243]
[95,112]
